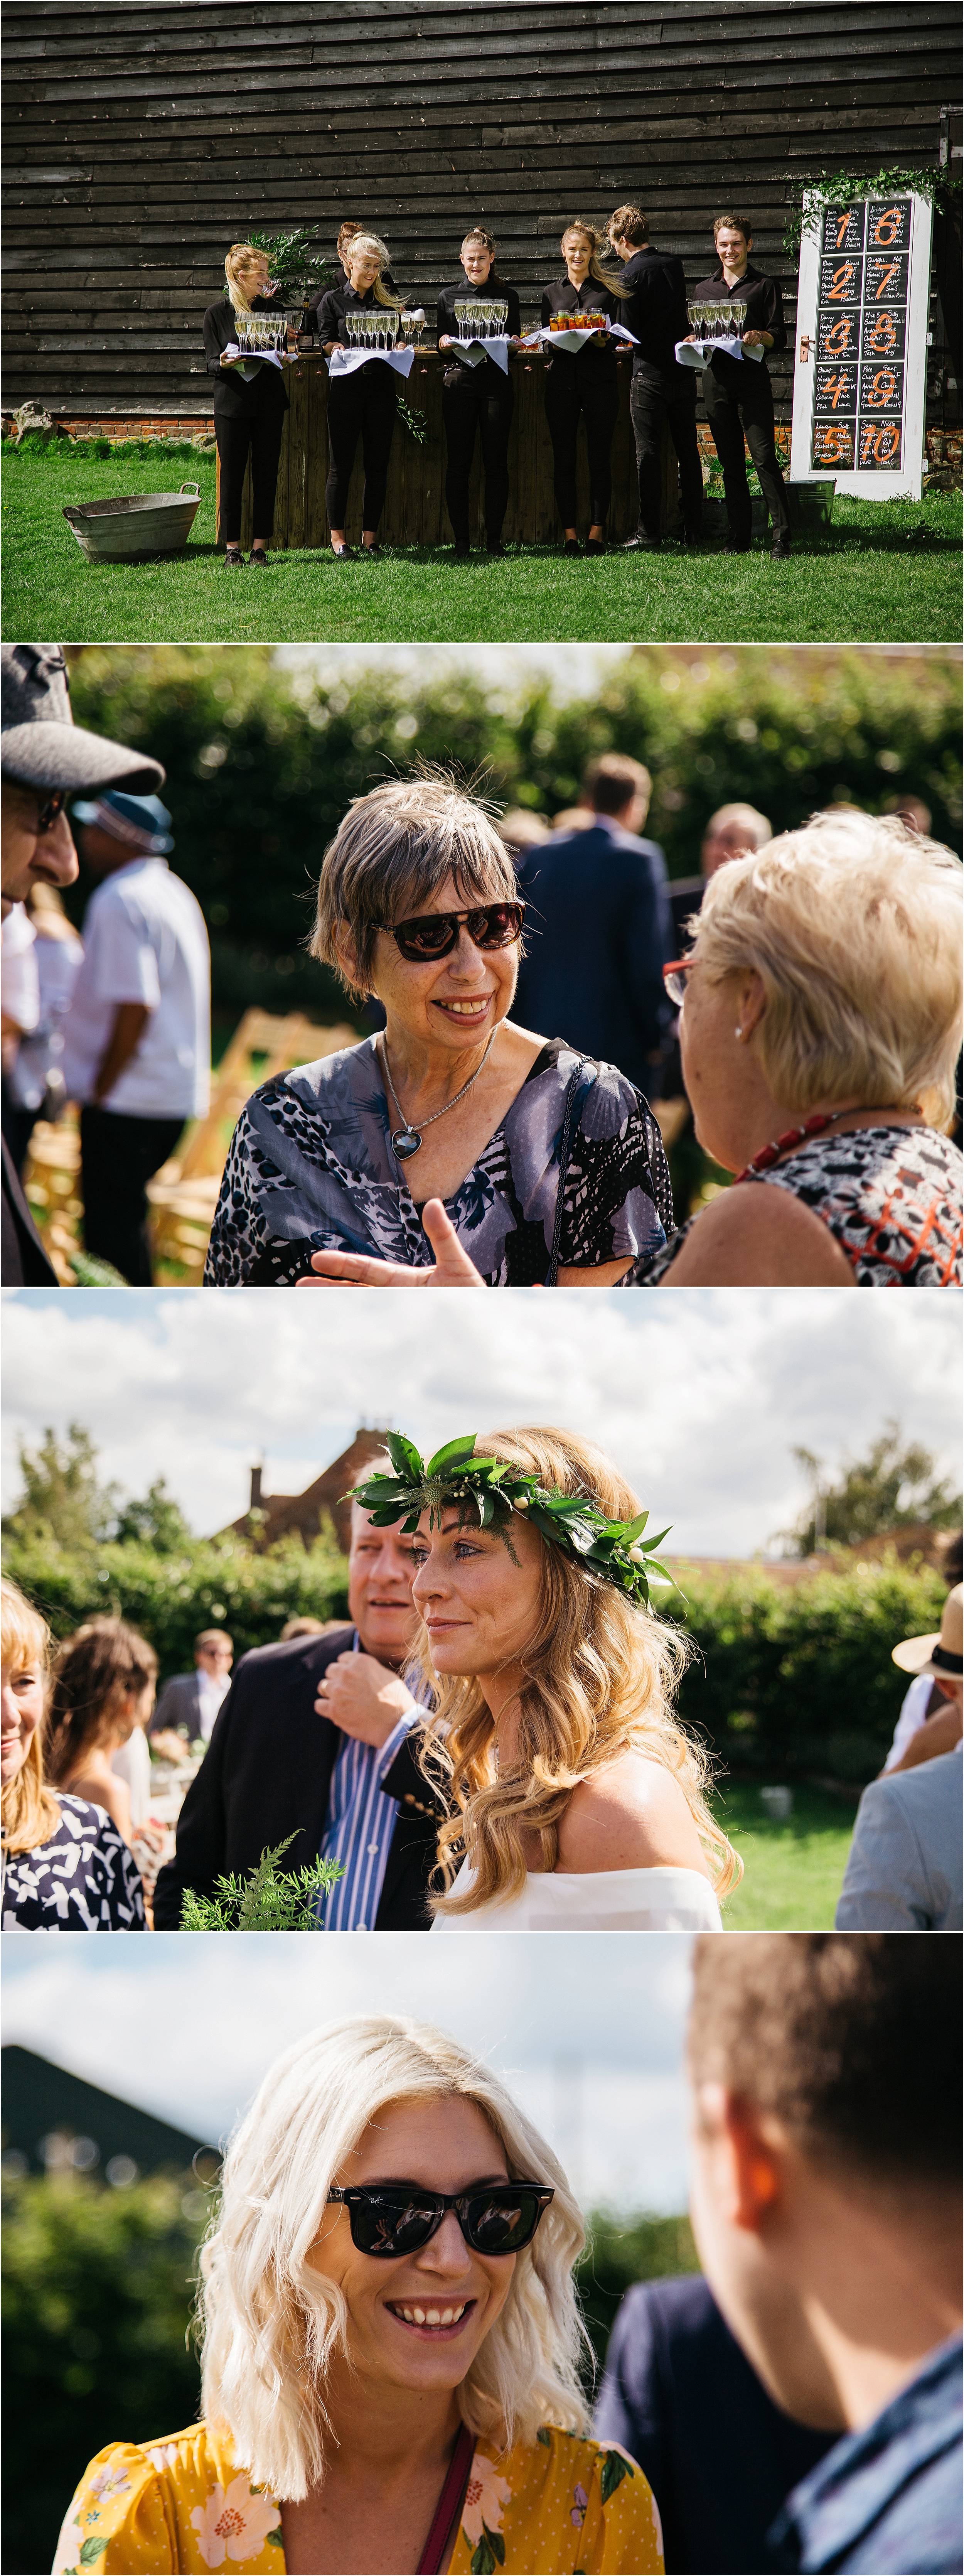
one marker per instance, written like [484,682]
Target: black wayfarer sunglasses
[429,935]
[392,2219]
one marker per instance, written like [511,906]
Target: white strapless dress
[602,1900]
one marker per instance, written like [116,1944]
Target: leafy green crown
[490,1490]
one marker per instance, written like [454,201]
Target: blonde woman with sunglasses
[539,1165]
[391,2345]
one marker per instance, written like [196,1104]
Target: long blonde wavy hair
[601,1676]
[272,2323]
[238,265]
[29,1812]
[373,248]
[596,240]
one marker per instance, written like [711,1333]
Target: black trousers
[360,406]
[473,407]
[259,437]
[571,391]
[118,1156]
[738,410]
[650,405]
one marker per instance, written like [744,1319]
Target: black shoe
[460,553]
[572,546]
[641,544]
[234,559]
[692,544]
[343,554]
[258,555]
[780,550]
[376,549]
[595,545]
[494,547]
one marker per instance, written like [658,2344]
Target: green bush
[96,2298]
[262,761]
[796,1677]
[96,2303]
[169,1598]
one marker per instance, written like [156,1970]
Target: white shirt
[58,964]
[19,981]
[144,941]
[212,1689]
[663,1899]
[913,1715]
[132,1762]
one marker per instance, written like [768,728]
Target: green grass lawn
[792,1873]
[887,572]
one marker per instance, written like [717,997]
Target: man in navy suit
[599,930]
[720,2457]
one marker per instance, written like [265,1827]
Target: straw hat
[939,1655]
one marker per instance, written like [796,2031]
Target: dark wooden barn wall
[143,136]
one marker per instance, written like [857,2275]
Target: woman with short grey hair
[547,1164]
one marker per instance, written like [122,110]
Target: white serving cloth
[577,339]
[612,1900]
[696,353]
[342,364]
[472,352]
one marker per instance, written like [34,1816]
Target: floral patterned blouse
[890,1196]
[84,1879]
[311,1169]
[561,2504]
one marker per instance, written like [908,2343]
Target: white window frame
[904,482]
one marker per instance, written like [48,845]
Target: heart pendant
[406,1142]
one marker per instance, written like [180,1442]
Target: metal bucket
[137,528]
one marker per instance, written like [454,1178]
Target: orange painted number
[883,387]
[880,444]
[833,444]
[887,279]
[887,226]
[836,387]
[843,279]
[840,334]
[882,334]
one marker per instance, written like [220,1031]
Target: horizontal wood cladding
[140,140]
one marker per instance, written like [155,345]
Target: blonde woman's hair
[394,849]
[29,1812]
[369,244]
[600,1678]
[273,2324]
[597,242]
[853,925]
[237,263]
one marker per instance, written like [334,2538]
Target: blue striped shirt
[359,1827]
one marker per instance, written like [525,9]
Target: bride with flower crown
[576,1800]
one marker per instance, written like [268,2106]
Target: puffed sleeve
[119,2522]
[622,2532]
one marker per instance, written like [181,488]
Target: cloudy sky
[588,2029]
[700,1396]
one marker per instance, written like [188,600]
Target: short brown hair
[628,224]
[95,1671]
[850,2039]
[613,779]
[736,223]
[396,847]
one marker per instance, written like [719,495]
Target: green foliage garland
[489,1490]
[844,188]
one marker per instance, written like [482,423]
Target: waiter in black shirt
[250,402]
[661,389]
[738,393]
[583,380]
[477,399]
[361,405]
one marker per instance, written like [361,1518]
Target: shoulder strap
[449,2504]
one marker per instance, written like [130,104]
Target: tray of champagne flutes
[378,332]
[717,328]
[481,330]
[570,330]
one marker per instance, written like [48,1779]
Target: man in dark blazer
[679,2394]
[317,1738]
[661,391]
[600,930]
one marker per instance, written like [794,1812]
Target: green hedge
[96,2300]
[262,761]
[170,1597]
[797,1678]
[791,1678]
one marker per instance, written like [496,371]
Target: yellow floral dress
[558,2506]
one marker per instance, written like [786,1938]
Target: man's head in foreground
[45,759]
[825,2073]
[380,1573]
[619,787]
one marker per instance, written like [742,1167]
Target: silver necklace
[406,1139]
